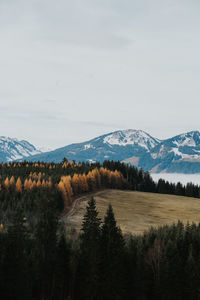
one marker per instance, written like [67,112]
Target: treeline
[53,170]
[22,183]
[27,191]
[136,179]
[102,264]
[142,181]
[93,180]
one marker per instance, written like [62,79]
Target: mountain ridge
[13,149]
[180,154]
[117,145]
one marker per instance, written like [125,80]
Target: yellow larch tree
[75,184]
[49,183]
[18,185]
[68,187]
[61,187]
[26,184]
[43,183]
[39,184]
[33,184]
[7,183]
[12,181]
[91,181]
[83,183]
[30,184]
[97,176]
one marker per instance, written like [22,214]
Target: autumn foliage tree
[18,185]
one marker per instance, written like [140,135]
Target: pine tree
[63,274]
[46,240]
[112,259]
[192,275]
[88,273]
[14,283]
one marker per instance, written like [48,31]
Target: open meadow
[136,212]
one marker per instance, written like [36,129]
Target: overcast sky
[71,70]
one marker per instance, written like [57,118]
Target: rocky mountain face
[12,149]
[179,154]
[118,145]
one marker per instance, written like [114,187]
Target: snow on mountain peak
[190,139]
[131,137]
[185,146]
[13,149]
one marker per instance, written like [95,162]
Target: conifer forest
[38,260]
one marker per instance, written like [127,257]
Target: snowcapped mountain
[185,146]
[179,154]
[117,145]
[12,149]
[131,137]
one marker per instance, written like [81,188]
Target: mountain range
[12,149]
[179,154]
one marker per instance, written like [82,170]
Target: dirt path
[69,213]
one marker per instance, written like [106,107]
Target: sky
[74,70]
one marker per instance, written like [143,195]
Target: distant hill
[12,149]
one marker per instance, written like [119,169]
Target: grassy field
[135,212]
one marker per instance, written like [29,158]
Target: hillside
[137,211]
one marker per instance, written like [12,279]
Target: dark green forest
[39,261]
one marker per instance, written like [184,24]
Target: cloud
[71,70]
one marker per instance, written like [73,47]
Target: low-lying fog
[175,177]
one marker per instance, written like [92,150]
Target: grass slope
[135,212]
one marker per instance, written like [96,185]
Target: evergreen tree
[173,273]
[46,241]
[192,276]
[88,269]
[62,269]
[14,268]
[112,250]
